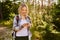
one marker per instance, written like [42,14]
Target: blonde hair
[21,6]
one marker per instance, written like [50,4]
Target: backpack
[17,19]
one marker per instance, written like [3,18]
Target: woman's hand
[16,29]
[26,25]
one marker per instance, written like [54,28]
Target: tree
[1,16]
[56,16]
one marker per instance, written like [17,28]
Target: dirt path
[5,33]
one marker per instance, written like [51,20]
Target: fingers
[26,25]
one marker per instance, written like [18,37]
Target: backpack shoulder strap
[14,32]
[29,19]
[17,19]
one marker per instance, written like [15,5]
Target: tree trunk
[1,16]
[42,4]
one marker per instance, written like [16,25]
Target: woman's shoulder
[29,17]
[16,16]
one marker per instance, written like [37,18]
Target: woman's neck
[23,17]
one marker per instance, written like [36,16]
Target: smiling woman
[23,9]
[22,23]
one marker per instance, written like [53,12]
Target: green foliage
[8,8]
[56,16]
[43,20]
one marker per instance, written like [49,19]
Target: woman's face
[24,11]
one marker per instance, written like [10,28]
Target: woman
[24,23]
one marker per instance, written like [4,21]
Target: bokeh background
[45,17]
